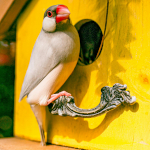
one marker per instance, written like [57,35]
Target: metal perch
[111,98]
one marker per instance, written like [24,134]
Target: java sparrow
[52,61]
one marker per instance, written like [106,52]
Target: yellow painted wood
[125,58]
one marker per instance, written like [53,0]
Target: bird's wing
[42,61]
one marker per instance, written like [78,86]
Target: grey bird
[53,59]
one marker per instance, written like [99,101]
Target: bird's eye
[49,14]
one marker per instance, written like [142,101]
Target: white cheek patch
[49,24]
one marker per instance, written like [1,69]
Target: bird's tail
[40,114]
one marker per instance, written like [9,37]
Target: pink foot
[57,95]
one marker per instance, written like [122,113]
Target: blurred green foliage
[7,76]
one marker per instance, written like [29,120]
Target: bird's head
[54,15]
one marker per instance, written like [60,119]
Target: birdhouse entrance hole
[90,41]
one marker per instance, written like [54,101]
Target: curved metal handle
[111,98]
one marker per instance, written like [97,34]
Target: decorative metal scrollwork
[111,98]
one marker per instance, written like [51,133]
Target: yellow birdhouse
[123,40]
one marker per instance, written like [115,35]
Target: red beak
[62,13]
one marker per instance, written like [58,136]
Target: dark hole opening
[90,40]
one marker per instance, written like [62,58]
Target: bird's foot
[57,95]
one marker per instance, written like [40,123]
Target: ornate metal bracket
[111,98]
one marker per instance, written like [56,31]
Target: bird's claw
[57,95]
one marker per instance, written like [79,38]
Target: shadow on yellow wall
[87,134]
